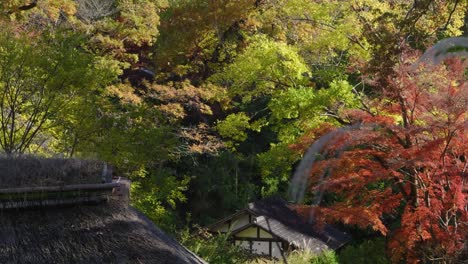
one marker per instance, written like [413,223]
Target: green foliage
[370,251]
[234,126]
[293,112]
[327,257]
[291,103]
[118,31]
[219,184]
[276,169]
[262,68]
[216,249]
[197,35]
[156,194]
[339,92]
[307,103]
[237,84]
[129,137]
[304,257]
[42,78]
[328,33]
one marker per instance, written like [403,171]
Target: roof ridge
[70,194]
[260,218]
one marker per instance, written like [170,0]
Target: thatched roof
[30,171]
[70,211]
[110,232]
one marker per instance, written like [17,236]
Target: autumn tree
[121,32]
[297,66]
[198,35]
[402,169]
[389,26]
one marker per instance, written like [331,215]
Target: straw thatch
[69,211]
[110,232]
[29,171]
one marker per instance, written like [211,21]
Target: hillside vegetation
[207,105]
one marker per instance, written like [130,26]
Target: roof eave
[212,226]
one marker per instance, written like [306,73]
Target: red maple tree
[403,172]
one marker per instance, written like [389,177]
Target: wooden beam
[270,248]
[223,220]
[257,239]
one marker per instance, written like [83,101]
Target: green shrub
[327,257]
[214,249]
[306,257]
[367,252]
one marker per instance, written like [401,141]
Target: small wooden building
[272,228]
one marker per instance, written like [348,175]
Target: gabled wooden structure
[272,228]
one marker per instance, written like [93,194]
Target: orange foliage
[408,166]
[308,138]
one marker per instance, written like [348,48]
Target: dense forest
[207,105]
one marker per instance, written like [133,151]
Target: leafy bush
[327,257]
[156,194]
[301,257]
[370,251]
[215,249]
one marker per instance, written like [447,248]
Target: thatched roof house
[80,230]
